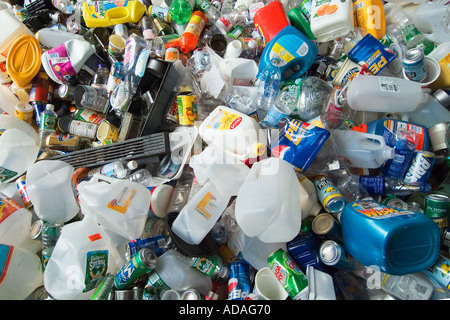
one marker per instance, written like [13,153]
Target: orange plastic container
[189,38]
[369,15]
[24,60]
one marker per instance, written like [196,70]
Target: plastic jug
[432,19]
[108,13]
[18,152]
[49,187]
[331,19]
[296,52]
[200,214]
[15,224]
[20,272]
[118,205]
[85,252]
[51,38]
[428,114]
[362,150]
[270,20]
[12,29]
[235,133]
[384,94]
[8,100]
[397,241]
[268,203]
[308,197]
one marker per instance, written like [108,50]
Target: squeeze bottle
[188,39]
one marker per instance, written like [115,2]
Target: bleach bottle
[296,52]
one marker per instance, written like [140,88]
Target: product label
[83,129]
[207,205]
[440,270]
[122,201]
[281,52]
[323,8]
[5,257]
[98,9]
[195,25]
[378,211]
[392,126]
[225,121]
[48,122]
[96,267]
[60,63]
[325,190]
[6,174]
[155,281]
[388,84]
[206,265]
[88,115]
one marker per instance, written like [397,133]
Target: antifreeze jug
[363,150]
[268,203]
[49,186]
[296,52]
[396,241]
[235,133]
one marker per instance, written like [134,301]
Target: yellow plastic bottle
[108,13]
[369,15]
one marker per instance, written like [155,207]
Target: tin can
[239,281]
[105,289]
[437,207]
[421,167]
[171,54]
[187,109]
[414,64]
[328,195]
[40,88]
[439,271]
[66,92]
[289,274]
[155,243]
[21,186]
[324,224]
[212,266]
[63,142]
[36,230]
[395,202]
[335,255]
[24,111]
[139,264]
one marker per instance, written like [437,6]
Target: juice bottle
[189,38]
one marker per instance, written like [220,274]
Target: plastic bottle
[381,185]
[428,114]
[173,271]
[269,84]
[142,176]
[65,6]
[115,169]
[50,234]
[181,10]
[211,11]
[431,19]
[21,272]
[189,38]
[51,38]
[363,150]
[249,51]
[384,94]
[286,103]
[48,122]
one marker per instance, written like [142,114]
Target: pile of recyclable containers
[224,150]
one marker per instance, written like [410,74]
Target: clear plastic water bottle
[142,176]
[283,107]
[269,84]
[50,234]
[47,124]
[115,169]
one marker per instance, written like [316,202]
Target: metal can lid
[336,204]
[436,197]
[148,257]
[413,55]
[36,229]
[190,294]
[64,122]
[329,251]
[322,223]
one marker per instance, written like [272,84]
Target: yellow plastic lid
[260,148]
[24,60]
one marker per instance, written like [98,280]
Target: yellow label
[196,25]
[206,205]
[122,201]
[226,121]
[282,52]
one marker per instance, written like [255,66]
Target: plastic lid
[24,60]
[389,153]
[361,128]
[259,148]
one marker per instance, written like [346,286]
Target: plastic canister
[363,150]
[396,241]
[12,29]
[296,52]
[108,13]
[234,133]
[268,203]
[270,20]
[331,19]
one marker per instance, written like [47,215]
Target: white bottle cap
[234,49]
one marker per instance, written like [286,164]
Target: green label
[6,174]
[206,265]
[48,121]
[96,267]
[155,281]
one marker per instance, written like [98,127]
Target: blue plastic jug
[295,50]
[396,241]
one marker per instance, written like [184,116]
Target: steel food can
[414,64]
[421,167]
[187,109]
[324,224]
[289,274]
[239,281]
[335,255]
[395,202]
[24,111]
[21,186]
[437,207]
[329,196]
[63,142]
[139,264]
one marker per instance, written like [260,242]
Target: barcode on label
[303,50]
[388,85]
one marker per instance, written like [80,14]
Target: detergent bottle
[369,15]
[108,13]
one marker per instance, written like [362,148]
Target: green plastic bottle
[180,11]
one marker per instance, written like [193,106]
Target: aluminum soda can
[139,264]
[437,207]
[155,243]
[289,274]
[105,289]
[239,281]
[329,196]
[335,255]
[21,186]
[414,64]
[421,167]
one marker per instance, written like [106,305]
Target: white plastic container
[12,29]
[428,114]
[362,150]
[8,100]
[321,286]
[49,186]
[174,272]
[268,205]
[431,18]
[200,214]
[442,55]
[234,133]
[308,197]
[331,19]
[384,94]
[15,224]
[51,38]
[20,272]
[268,286]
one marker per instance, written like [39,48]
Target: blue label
[5,256]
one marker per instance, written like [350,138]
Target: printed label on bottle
[122,201]
[5,257]
[195,25]
[388,84]
[60,63]
[48,122]
[279,51]
[155,281]
[440,270]
[96,267]
[207,205]
[6,174]
[225,121]
[378,211]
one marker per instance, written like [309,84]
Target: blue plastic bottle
[295,50]
[396,241]
[387,127]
